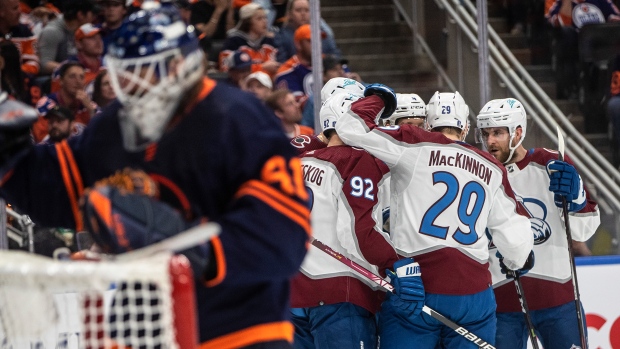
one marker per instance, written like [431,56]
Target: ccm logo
[596,321]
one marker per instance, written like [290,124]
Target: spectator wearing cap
[332,68]
[296,73]
[287,109]
[259,84]
[252,37]
[71,95]
[238,67]
[60,125]
[298,14]
[56,42]
[90,49]
[114,11]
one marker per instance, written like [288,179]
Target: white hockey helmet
[333,108]
[447,109]
[408,105]
[506,112]
[338,85]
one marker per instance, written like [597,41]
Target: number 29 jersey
[443,195]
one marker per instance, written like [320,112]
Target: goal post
[137,303]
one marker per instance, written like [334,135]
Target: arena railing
[596,170]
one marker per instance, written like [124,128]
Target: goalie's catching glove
[120,221]
[408,296]
[15,121]
[565,181]
[386,94]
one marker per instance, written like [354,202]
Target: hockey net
[139,304]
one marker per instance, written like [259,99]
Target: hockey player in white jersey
[502,126]
[333,307]
[410,109]
[444,193]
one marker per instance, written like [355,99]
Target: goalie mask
[507,112]
[447,109]
[153,60]
[408,105]
[334,108]
[339,85]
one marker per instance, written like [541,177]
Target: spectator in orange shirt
[252,37]
[287,109]
[18,34]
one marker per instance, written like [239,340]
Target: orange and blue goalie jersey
[209,164]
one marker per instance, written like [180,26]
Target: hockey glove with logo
[15,121]
[565,181]
[386,94]
[408,296]
[527,266]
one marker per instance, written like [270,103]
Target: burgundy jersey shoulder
[351,161]
[540,156]
[305,143]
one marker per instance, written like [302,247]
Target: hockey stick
[582,332]
[524,308]
[184,240]
[388,287]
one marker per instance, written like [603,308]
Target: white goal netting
[137,304]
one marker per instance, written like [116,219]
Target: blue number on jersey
[468,218]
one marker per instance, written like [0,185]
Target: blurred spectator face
[73,80]
[90,46]
[113,12]
[300,13]
[84,18]
[334,72]
[9,13]
[288,111]
[304,49]
[106,88]
[59,127]
[258,24]
[259,84]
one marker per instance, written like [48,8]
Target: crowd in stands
[52,55]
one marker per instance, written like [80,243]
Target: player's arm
[357,128]
[361,190]
[565,181]
[31,178]
[509,228]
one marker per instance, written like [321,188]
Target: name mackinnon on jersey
[461,161]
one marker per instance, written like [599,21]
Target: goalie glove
[15,142]
[408,296]
[564,181]
[120,221]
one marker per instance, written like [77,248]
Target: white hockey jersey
[443,196]
[345,185]
[549,283]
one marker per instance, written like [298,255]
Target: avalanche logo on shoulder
[538,213]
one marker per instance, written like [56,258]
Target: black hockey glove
[527,266]
[15,142]
[387,94]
